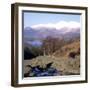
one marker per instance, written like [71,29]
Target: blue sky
[34,18]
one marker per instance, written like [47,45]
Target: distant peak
[58,25]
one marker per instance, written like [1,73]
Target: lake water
[35,43]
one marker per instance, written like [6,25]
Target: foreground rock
[40,66]
[37,71]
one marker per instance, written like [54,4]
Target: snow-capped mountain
[60,29]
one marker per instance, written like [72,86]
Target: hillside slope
[60,60]
[65,50]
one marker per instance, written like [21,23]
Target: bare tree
[51,44]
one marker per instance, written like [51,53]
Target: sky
[35,18]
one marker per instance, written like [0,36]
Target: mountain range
[42,32]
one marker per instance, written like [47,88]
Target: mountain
[30,33]
[42,33]
[66,30]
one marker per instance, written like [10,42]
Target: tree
[51,44]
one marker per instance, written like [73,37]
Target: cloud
[59,25]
